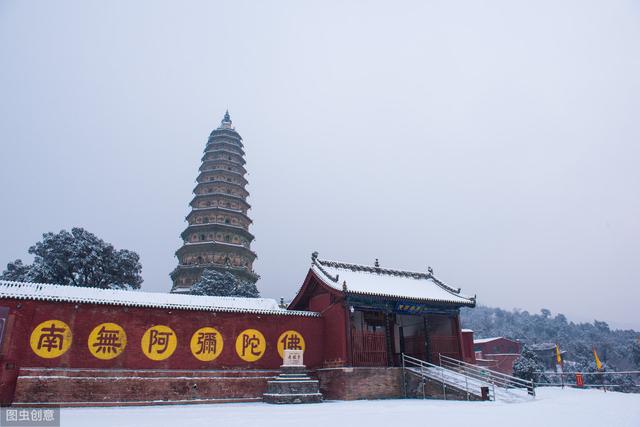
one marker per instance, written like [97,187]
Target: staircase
[459,378]
[293,385]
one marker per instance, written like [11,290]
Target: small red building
[497,353]
[372,314]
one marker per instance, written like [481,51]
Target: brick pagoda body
[217,235]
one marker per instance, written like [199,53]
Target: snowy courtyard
[552,407]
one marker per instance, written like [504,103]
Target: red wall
[468,355]
[499,362]
[335,339]
[317,297]
[82,318]
[498,346]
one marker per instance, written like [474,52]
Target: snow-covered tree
[78,258]
[225,284]
[16,271]
[527,365]
[635,353]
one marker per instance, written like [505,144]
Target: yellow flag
[598,363]
[558,357]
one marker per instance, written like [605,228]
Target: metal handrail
[480,374]
[487,375]
[492,372]
[412,362]
[418,362]
[473,374]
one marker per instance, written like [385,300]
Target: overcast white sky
[497,142]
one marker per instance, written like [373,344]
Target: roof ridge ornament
[318,263]
[226,122]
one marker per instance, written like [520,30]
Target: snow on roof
[376,281]
[545,346]
[49,292]
[466,330]
[484,340]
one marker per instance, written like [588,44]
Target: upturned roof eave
[224,245]
[325,277]
[231,196]
[217,225]
[409,298]
[211,208]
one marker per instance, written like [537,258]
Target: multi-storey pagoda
[218,236]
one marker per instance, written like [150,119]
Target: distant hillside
[619,349]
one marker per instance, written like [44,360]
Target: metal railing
[627,381]
[494,378]
[426,370]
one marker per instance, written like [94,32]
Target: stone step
[301,370]
[292,398]
[294,378]
[292,387]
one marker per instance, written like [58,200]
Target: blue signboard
[403,307]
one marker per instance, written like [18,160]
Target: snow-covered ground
[552,407]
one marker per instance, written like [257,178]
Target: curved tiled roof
[49,292]
[384,282]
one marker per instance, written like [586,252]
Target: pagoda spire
[226,122]
[217,235]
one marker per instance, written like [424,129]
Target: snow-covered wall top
[377,281]
[49,292]
[485,340]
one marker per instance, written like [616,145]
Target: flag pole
[559,365]
[599,367]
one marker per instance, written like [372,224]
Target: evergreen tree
[635,353]
[16,271]
[78,258]
[527,365]
[225,284]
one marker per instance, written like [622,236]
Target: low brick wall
[360,383]
[112,387]
[430,389]
[382,383]
[93,387]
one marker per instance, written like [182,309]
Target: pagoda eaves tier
[218,236]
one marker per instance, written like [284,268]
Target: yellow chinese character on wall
[107,341]
[206,344]
[159,342]
[250,345]
[290,340]
[51,339]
